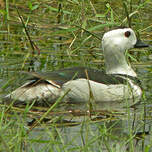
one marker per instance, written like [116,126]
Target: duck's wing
[62,76]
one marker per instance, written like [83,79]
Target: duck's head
[114,44]
[121,39]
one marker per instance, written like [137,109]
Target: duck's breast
[83,90]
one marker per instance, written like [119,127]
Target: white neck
[116,63]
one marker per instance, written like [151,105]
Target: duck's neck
[116,63]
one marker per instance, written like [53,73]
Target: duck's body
[117,83]
[81,81]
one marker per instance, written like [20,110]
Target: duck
[118,82]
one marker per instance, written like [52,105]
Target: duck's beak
[140,44]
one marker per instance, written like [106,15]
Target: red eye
[127,33]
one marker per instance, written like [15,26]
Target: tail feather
[34,90]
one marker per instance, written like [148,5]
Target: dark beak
[140,44]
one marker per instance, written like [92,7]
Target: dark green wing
[62,76]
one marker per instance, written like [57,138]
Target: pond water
[54,27]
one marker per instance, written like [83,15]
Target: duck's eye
[127,33]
